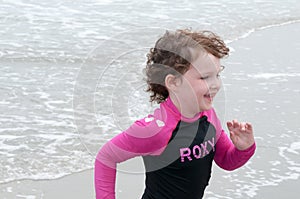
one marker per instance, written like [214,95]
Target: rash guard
[177,152]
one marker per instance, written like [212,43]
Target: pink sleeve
[104,177]
[148,136]
[227,156]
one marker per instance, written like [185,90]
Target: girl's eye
[203,78]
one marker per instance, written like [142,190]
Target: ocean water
[261,86]
[71,78]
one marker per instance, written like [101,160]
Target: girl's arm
[117,150]
[228,156]
[148,136]
[234,152]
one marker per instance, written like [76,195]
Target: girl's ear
[172,82]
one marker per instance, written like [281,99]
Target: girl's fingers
[236,124]
[230,126]
[249,127]
[243,126]
[238,127]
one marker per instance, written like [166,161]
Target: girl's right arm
[104,178]
[145,137]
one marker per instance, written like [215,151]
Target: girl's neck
[184,111]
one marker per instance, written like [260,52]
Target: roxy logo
[198,151]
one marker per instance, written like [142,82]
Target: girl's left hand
[241,134]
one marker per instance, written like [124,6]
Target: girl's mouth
[209,96]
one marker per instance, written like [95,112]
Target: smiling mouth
[210,96]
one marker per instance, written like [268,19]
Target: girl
[181,139]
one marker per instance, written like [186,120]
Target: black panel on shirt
[169,176]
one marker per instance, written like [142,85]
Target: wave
[263,27]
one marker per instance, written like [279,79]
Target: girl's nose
[215,84]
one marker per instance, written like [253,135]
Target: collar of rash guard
[168,102]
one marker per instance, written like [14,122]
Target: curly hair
[173,54]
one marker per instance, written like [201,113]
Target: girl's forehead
[205,63]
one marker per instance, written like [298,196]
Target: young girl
[180,140]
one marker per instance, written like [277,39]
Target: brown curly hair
[172,54]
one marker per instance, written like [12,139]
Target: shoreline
[254,30]
[80,185]
[76,185]
[55,178]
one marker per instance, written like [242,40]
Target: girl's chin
[206,106]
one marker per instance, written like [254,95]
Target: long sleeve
[104,179]
[148,136]
[119,149]
[228,157]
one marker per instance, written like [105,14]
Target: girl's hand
[241,134]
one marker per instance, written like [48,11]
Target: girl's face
[199,85]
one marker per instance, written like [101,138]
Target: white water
[43,49]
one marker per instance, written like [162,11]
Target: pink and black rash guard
[177,152]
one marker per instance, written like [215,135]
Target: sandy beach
[80,185]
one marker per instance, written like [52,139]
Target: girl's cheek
[203,84]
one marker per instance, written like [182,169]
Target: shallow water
[265,92]
[71,78]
